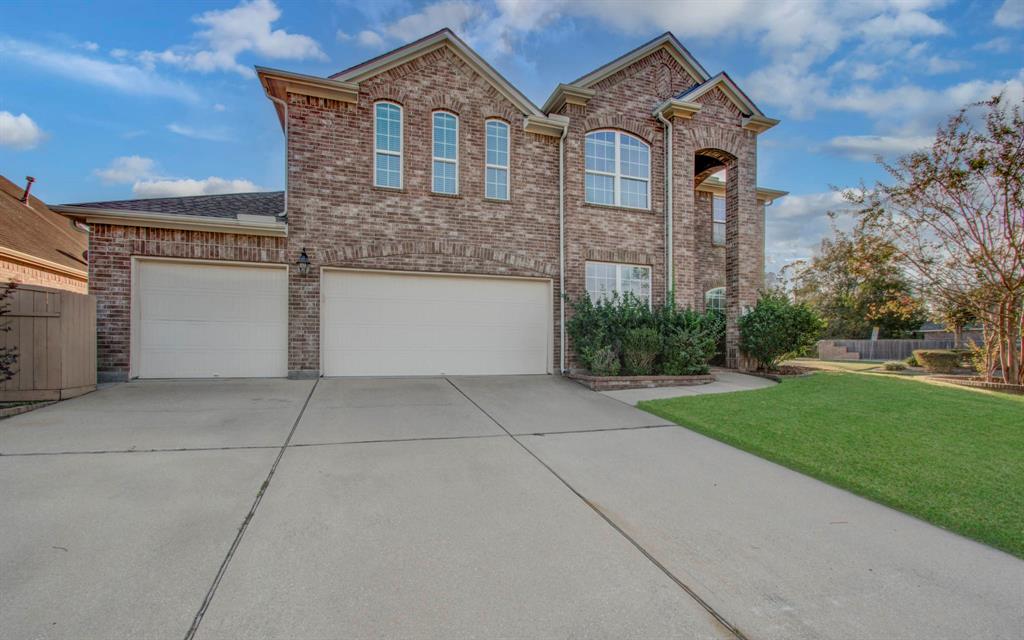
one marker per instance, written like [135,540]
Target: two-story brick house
[433,218]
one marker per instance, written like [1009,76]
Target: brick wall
[111,248]
[11,271]
[342,221]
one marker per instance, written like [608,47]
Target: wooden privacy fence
[875,349]
[55,335]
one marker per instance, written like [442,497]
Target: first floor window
[714,300]
[604,278]
[446,153]
[496,164]
[718,220]
[387,145]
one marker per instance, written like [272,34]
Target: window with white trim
[604,278]
[446,153]
[496,162]
[387,145]
[718,220]
[714,300]
[617,170]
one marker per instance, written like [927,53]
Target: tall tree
[955,213]
[856,282]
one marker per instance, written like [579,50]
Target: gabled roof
[666,40]
[578,89]
[754,118]
[432,42]
[32,230]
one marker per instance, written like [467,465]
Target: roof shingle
[229,205]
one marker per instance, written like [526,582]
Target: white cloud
[447,13]
[19,132]
[937,65]
[370,39]
[232,32]
[1001,44]
[172,188]
[867,147]
[1011,14]
[119,53]
[213,135]
[795,225]
[902,25]
[127,169]
[89,46]
[117,76]
[219,107]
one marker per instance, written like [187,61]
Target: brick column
[744,250]
[684,248]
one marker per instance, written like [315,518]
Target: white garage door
[203,321]
[377,323]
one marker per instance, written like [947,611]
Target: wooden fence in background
[55,335]
[875,349]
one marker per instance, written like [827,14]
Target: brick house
[433,216]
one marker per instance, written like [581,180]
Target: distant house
[936,331]
[38,246]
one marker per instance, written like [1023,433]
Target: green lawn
[953,457]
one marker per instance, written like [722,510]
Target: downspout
[561,249]
[669,268]
[284,106]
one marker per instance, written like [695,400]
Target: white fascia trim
[667,40]
[42,263]
[441,38]
[172,221]
[308,85]
[717,187]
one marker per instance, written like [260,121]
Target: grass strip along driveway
[949,456]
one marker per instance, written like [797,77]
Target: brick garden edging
[981,384]
[18,409]
[613,383]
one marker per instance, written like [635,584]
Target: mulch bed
[979,383]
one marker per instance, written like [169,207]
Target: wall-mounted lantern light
[303,263]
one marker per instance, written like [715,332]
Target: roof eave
[567,94]
[674,108]
[278,83]
[43,263]
[676,48]
[172,221]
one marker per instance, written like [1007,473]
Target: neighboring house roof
[935,327]
[256,212]
[31,232]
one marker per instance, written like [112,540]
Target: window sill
[389,189]
[616,207]
[450,196]
[497,200]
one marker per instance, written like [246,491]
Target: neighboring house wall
[111,248]
[341,220]
[24,273]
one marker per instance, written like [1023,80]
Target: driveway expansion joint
[190,634]
[739,635]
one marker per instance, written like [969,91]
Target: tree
[8,355]
[777,329]
[955,214]
[856,282]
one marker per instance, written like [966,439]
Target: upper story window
[446,153]
[714,300]
[387,145]
[718,220]
[496,163]
[618,170]
[603,278]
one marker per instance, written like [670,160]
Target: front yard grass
[953,457]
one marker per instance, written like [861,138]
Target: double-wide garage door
[378,324]
[201,320]
[204,320]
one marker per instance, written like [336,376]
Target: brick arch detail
[445,102]
[618,121]
[502,113]
[390,93]
[341,255]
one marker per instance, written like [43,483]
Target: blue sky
[112,100]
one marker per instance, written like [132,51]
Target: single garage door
[195,320]
[381,324]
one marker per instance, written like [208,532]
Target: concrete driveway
[445,508]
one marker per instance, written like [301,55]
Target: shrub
[911,361]
[640,349]
[776,329]
[602,361]
[895,365]
[938,360]
[642,340]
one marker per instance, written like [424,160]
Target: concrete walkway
[726,382]
[516,507]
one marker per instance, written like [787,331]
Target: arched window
[387,145]
[446,153]
[714,300]
[496,162]
[618,170]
